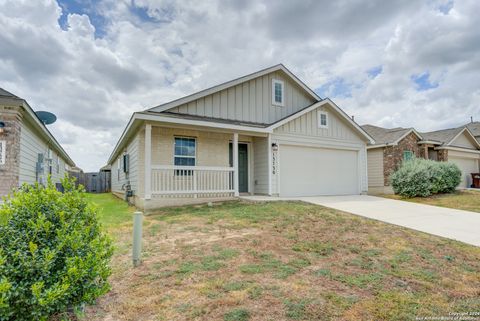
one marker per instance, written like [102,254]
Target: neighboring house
[28,151]
[393,146]
[265,133]
[456,145]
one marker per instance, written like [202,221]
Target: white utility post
[235,164]
[137,238]
[148,161]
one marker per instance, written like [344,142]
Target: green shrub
[53,253]
[421,177]
[451,177]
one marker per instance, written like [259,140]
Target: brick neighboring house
[394,145]
[455,145]
[28,151]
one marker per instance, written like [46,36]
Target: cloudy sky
[389,63]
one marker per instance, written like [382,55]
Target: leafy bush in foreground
[53,252]
[421,177]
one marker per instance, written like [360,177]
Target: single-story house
[456,145]
[28,151]
[391,147]
[265,133]
[394,145]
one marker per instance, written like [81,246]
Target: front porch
[185,165]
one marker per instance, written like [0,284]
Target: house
[28,151]
[456,145]
[265,133]
[393,146]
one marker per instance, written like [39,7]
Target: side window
[278,92]
[322,119]
[118,169]
[407,155]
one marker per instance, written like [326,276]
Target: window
[118,169]
[322,119]
[184,153]
[407,155]
[3,152]
[57,165]
[126,163]
[277,92]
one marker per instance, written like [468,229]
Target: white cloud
[157,51]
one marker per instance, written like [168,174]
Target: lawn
[282,261]
[461,200]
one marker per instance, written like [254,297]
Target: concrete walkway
[454,224]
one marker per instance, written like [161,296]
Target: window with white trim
[3,152]
[57,164]
[278,92]
[184,153]
[118,169]
[322,119]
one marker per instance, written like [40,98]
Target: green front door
[242,167]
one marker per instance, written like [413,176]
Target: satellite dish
[46,117]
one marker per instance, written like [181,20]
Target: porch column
[148,161]
[235,164]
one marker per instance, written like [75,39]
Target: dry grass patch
[460,200]
[286,261]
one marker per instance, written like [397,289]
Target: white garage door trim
[460,161]
[357,170]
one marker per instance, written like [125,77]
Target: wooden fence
[98,182]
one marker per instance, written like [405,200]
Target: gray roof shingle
[4,93]
[385,135]
[474,127]
[443,136]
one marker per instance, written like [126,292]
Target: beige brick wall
[212,148]
[9,172]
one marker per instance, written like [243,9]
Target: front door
[242,166]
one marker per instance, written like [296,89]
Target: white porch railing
[196,181]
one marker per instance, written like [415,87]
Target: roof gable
[236,82]
[332,108]
[464,139]
[389,136]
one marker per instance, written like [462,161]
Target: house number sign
[274,162]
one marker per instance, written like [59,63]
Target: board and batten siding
[250,101]
[304,130]
[375,167]
[307,125]
[30,146]
[118,177]
[260,165]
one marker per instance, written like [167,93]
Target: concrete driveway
[454,224]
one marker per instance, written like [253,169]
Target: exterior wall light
[274,147]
